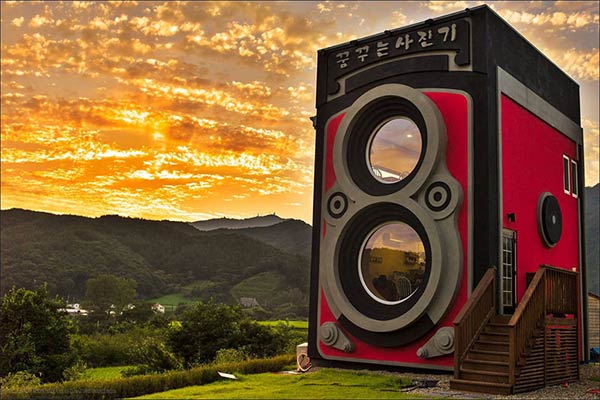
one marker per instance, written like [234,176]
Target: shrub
[103,350]
[141,385]
[19,379]
[75,372]
[154,356]
[205,329]
[230,355]
[34,334]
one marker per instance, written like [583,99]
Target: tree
[205,329]
[34,334]
[105,291]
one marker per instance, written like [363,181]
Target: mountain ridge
[235,223]
[163,257]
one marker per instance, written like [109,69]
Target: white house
[157,307]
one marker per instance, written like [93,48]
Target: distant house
[248,302]
[157,307]
[74,309]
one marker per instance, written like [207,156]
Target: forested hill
[161,256]
[292,236]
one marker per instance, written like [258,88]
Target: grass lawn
[293,324]
[172,299]
[322,384]
[104,372]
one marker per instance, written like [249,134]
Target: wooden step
[483,376]
[500,319]
[490,345]
[479,386]
[494,337]
[488,355]
[485,365]
[497,327]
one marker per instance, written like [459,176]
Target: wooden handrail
[550,291]
[531,289]
[473,316]
[488,277]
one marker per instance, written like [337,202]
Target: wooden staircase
[485,365]
[521,352]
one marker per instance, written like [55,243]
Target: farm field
[173,299]
[301,325]
[104,372]
[321,384]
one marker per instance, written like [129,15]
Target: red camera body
[439,154]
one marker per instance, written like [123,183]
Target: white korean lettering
[363,52]
[343,58]
[404,41]
[382,49]
[424,37]
[445,30]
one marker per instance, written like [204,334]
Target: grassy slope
[172,299]
[104,372]
[293,324]
[262,287]
[323,384]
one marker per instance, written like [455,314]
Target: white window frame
[574,179]
[567,174]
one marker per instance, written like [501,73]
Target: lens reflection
[395,150]
[392,264]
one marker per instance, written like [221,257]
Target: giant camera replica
[437,146]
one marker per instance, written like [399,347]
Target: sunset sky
[188,111]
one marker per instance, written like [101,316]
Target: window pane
[566,174]
[394,150]
[392,264]
[574,180]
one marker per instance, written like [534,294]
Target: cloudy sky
[188,111]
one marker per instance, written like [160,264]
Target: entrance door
[508,271]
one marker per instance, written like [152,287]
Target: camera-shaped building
[448,202]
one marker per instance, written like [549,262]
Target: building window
[574,179]
[566,175]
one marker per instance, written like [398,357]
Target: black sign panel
[449,36]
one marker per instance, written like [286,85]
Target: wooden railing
[473,317]
[552,290]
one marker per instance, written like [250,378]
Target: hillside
[592,234]
[162,257]
[231,223]
[292,236]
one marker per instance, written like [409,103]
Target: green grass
[173,299]
[104,372]
[260,286]
[292,324]
[322,384]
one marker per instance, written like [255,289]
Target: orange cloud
[187,110]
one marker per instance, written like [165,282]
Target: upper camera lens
[394,150]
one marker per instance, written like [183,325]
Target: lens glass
[392,263]
[394,150]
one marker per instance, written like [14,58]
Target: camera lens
[394,150]
[392,263]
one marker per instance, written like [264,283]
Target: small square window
[566,175]
[574,179]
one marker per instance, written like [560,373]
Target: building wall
[594,320]
[532,163]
